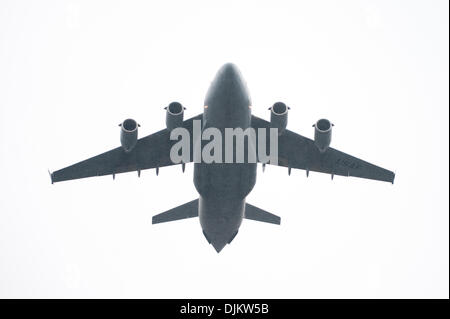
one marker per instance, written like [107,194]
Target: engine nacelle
[174,115]
[279,116]
[128,134]
[322,134]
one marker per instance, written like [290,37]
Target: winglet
[51,176]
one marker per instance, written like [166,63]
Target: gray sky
[71,71]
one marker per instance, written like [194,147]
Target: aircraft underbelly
[224,181]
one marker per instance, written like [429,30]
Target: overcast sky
[71,71]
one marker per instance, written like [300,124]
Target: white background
[70,71]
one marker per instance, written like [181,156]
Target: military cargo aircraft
[223,186]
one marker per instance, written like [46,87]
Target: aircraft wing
[152,151]
[296,151]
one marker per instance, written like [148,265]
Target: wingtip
[155,220]
[51,176]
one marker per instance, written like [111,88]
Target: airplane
[223,187]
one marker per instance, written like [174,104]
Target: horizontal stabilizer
[255,213]
[187,210]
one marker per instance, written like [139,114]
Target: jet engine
[174,115]
[279,116]
[322,134]
[128,134]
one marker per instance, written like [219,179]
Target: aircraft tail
[255,213]
[188,210]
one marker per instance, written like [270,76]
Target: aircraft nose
[227,99]
[229,71]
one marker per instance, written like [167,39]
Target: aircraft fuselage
[223,187]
